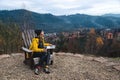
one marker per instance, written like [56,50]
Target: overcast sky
[64,7]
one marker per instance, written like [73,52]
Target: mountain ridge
[112,15]
[52,23]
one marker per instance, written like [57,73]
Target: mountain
[112,15]
[52,23]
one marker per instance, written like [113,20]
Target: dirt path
[64,68]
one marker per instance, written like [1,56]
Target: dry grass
[64,68]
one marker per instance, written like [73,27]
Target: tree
[91,41]
[9,38]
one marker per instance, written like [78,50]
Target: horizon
[67,7]
[61,15]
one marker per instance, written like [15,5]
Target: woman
[40,54]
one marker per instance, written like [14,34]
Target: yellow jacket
[35,43]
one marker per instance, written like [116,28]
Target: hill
[65,68]
[52,23]
[112,15]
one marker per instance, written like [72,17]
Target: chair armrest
[26,50]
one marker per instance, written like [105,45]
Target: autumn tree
[91,41]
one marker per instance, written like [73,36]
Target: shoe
[46,70]
[37,70]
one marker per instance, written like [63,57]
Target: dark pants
[44,58]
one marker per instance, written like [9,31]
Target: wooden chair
[27,36]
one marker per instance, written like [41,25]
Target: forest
[10,38]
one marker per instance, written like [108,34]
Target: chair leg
[51,63]
[31,64]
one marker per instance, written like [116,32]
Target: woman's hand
[45,50]
[50,44]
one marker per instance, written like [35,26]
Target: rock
[64,54]
[70,54]
[100,59]
[90,58]
[110,64]
[17,54]
[117,67]
[79,55]
[4,56]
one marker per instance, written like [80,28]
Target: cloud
[64,7]
[14,4]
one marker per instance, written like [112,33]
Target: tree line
[10,38]
[89,43]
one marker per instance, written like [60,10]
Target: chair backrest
[27,36]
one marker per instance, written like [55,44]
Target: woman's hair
[38,32]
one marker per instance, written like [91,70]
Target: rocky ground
[66,67]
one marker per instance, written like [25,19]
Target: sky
[64,7]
